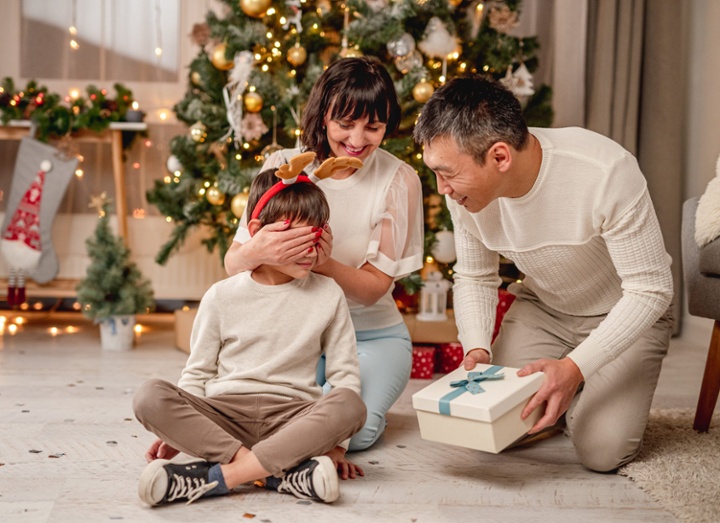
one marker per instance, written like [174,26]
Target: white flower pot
[116,333]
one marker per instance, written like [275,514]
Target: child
[247,402]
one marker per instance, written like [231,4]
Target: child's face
[302,266]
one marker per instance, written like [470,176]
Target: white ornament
[402,46]
[405,64]
[294,18]
[233,90]
[253,126]
[433,298]
[46,166]
[519,83]
[443,250]
[173,164]
[437,41]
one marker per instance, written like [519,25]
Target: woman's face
[356,138]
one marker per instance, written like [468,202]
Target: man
[571,209]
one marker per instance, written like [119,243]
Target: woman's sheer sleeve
[396,243]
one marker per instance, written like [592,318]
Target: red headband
[272,191]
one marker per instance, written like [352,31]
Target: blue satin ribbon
[471,385]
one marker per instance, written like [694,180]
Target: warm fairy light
[135,105]
[158,51]
[269,35]
[251,88]
[238,156]
[73,30]
[37,306]
[283,20]
[442,79]
[74,94]
[71,329]
[258,56]
[74,45]
[246,145]
[168,219]
[163,115]
[207,184]
[79,173]
[139,214]
[271,12]
[201,192]
[418,156]
[265,68]
[429,259]
[292,73]
[176,179]
[138,329]
[148,143]
[185,308]
[19,320]
[462,66]
[76,306]
[53,331]
[136,165]
[167,179]
[297,132]
[12,329]
[486,68]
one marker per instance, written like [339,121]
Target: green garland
[55,117]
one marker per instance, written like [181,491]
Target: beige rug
[679,467]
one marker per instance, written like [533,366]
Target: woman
[376,225]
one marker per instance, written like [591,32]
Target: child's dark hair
[354,87]
[304,202]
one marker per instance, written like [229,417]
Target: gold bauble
[238,204]
[215,195]
[255,8]
[351,52]
[296,55]
[422,91]
[195,78]
[454,3]
[219,59]
[198,132]
[253,102]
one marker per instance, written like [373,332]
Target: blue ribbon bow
[471,385]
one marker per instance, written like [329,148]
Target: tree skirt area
[679,467]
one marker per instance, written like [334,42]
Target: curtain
[635,93]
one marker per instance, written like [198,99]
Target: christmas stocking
[39,182]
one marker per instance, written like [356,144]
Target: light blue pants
[385,362]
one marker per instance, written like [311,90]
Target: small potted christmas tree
[114,290]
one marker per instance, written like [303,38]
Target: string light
[53,331]
[158,31]
[74,45]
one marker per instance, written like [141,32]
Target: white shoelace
[191,488]
[298,484]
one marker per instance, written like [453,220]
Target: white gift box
[489,420]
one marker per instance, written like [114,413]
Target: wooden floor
[71,451]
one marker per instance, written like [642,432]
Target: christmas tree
[259,60]
[113,285]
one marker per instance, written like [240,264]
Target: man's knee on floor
[607,456]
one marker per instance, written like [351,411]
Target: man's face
[458,176]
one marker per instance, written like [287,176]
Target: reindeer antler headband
[291,173]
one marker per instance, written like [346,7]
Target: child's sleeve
[342,368]
[205,343]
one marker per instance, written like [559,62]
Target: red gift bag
[423,362]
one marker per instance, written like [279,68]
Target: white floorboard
[63,396]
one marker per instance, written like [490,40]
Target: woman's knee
[369,433]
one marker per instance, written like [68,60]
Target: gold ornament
[454,3]
[215,195]
[198,132]
[238,203]
[219,59]
[195,78]
[255,8]
[351,52]
[253,102]
[296,55]
[422,91]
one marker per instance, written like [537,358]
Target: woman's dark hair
[304,202]
[354,87]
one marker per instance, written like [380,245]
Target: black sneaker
[163,482]
[315,479]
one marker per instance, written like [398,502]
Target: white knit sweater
[250,338]
[587,239]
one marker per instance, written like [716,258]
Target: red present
[505,299]
[423,362]
[448,357]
